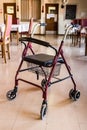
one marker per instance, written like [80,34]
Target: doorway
[51,18]
[9,8]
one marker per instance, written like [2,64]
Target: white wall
[81,12]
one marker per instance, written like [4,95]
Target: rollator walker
[45,65]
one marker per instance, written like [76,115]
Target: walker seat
[42,59]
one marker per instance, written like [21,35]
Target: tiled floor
[23,113]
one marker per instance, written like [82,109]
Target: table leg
[17,37]
[86,45]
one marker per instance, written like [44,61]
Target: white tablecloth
[84,30]
[22,27]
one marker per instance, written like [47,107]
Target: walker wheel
[43,82]
[74,94]
[43,110]
[11,94]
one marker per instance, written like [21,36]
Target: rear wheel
[11,94]
[43,83]
[74,94]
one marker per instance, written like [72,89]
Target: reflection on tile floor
[23,112]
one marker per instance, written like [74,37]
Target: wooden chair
[28,33]
[5,40]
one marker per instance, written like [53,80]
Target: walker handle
[33,40]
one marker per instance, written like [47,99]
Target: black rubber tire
[43,111]
[11,94]
[74,94]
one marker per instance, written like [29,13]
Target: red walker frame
[73,94]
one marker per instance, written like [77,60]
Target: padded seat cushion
[41,59]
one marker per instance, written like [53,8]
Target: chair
[84,23]
[82,32]
[76,38]
[29,31]
[5,40]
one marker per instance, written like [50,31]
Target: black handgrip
[33,40]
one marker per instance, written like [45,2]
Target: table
[74,33]
[77,33]
[84,34]
[16,28]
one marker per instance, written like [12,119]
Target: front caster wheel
[11,94]
[43,83]
[74,94]
[43,110]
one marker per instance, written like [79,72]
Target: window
[30,8]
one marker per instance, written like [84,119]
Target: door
[51,18]
[9,8]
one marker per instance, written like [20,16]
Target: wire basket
[36,69]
